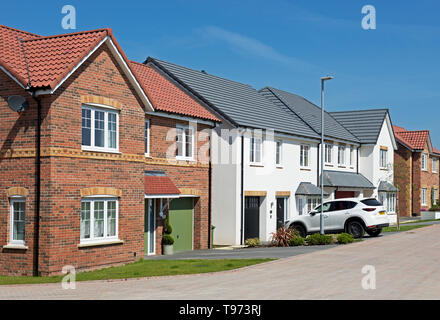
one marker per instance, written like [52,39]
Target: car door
[336,220]
[314,219]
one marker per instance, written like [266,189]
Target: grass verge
[419,221]
[143,268]
[404,228]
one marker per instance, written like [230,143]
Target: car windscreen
[371,202]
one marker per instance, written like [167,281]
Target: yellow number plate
[382,212]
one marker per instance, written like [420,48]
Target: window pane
[278,152]
[179,142]
[147,129]
[252,150]
[112,130]
[86,127]
[99,129]
[98,212]
[257,150]
[18,221]
[188,142]
[111,218]
[85,220]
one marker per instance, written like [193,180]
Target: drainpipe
[210,195]
[242,188]
[38,186]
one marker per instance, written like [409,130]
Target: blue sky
[284,44]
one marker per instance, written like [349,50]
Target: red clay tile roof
[398,129]
[413,139]
[155,185]
[166,96]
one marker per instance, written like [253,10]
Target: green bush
[252,242]
[167,239]
[167,229]
[344,238]
[319,239]
[296,241]
[282,236]
[435,207]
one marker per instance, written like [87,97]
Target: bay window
[99,219]
[99,129]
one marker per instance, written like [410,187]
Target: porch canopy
[159,185]
[346,180]
[308,189]
[385,186]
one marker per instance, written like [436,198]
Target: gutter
[242,190]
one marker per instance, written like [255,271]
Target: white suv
[351,215]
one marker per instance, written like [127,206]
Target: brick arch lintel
[101,191]
[101,100]
[17,191]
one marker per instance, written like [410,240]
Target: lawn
[404,227]
[143,268]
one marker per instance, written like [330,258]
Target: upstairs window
[328,150]
[278,152]
[383,158]
[304,156]
[256,149]
[424,161]
[351,156]
[341,155]
[185,142]
[99,129]
[147,137]
[434,165]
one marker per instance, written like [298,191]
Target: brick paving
[406,268]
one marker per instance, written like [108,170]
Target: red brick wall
[402,179]
[64,176]
[428,180]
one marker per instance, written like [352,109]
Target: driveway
[406,266]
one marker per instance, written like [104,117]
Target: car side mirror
[312,213]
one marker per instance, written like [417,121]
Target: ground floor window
[305,204]
[99,219]
[424,197]
[18,221]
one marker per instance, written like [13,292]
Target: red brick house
[95,193]
[416,171]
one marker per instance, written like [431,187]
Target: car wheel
[300,229]
[374,233]
[356,229]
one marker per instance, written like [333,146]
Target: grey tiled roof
[346,179]
[311,114]
[308,189]
[386,186]
[364,124]
[237,102]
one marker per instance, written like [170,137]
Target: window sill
[384,169]
[305,169]
[99,243]
[341,166]
[100,150]
[185,159]
[256,165]
[328,165]
[15,246]
[280,167]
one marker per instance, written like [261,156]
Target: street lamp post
[322,152]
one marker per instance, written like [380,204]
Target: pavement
[401,266]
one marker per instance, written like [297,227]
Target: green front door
[181,220]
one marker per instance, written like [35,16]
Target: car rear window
[371,202]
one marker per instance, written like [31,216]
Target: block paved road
[407,267]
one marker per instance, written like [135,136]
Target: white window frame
[302,156]
[106,111]
[341,155]
[424,162]
[11,221]
[279,152]
[105,238]
[148,131]
[383,160]
[424,196]
[184,140]
[434,165]
[253,150]
[435,195]
[328,153]
[351,156]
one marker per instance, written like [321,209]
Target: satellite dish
[18,103]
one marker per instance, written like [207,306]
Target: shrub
[435,207]
[252,242]
[319,239]
[282,237]
[167,229]
[167,239]
[344,238]
[296,241]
